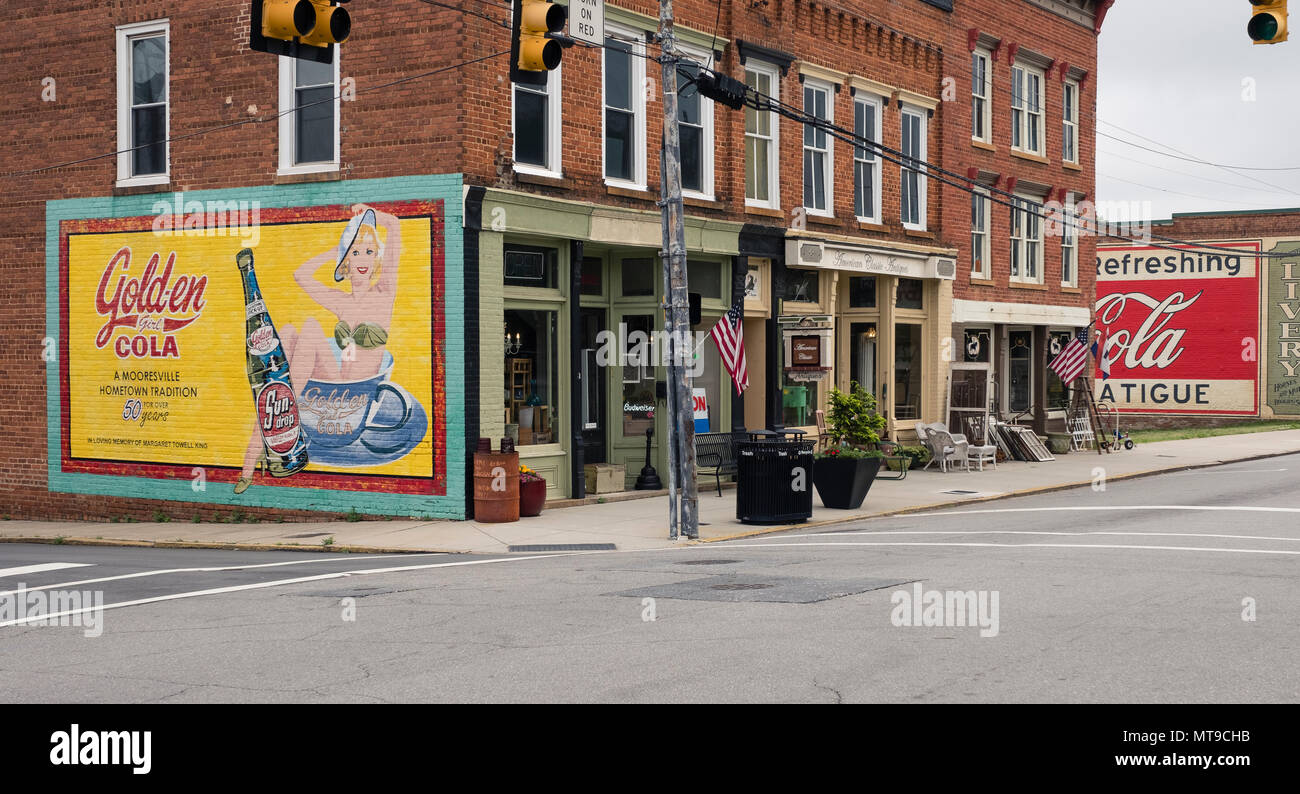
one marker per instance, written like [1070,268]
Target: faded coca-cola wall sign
[1183,328]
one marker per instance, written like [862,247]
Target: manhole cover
[709,562]
[741,586]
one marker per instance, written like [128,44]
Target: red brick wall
[1046,33]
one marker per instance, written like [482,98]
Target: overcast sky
[1173,71]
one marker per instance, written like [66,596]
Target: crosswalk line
[23,570]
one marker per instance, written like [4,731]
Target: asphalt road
[1176,588]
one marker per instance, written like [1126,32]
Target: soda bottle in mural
[268,374]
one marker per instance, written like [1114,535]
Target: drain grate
[741,586]
[774,589]
[566,547]
[308,535]
[709,562]
[961,493]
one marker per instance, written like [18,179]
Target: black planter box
[842,483]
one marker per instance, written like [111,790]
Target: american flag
[730,339]
[1070,362]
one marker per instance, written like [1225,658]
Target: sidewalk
[642,523]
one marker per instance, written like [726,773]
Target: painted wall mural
[294,357]
[1183,328]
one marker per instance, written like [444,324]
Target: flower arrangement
[528,475]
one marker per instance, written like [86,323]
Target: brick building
[515,237]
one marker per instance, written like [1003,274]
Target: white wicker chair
[948,448]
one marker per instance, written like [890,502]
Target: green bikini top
[365,335]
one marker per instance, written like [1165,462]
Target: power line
[1194,176]
[1196,160]
[1180,193]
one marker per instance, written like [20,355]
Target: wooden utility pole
[681,419]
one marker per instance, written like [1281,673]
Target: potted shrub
[532,492]
[843,473]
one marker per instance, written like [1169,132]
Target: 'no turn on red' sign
[587,21]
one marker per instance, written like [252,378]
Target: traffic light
[535,40]
[306,29]
[1267,21]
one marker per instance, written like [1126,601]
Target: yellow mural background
[218,422]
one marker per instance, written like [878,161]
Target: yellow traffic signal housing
[306,29]
[1267,21]
[534,50]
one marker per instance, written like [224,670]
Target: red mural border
[435,485]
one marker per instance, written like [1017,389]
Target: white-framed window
[762,140]
[981,78]
[1026,109]
[1070,122]
[866,164]
[979,234]
[913,188]
[1026,241]
[309,136]
[143,103]
[537,127]
[818,149]
[695,128]
[1069,249]
[624,102]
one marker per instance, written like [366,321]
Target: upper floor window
[981,104]
[695,130]
[762,168]
[624,109]
[537,127]
[1070,122]
[1026,241]
[979,234]
[1069,249]
[142,103]
[866,165]
[1026,109]
[913,180]
[309,139]
[818,149]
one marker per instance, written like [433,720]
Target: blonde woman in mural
[355,349]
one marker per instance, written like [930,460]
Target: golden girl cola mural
[313,358]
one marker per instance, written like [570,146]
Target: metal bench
[715,453]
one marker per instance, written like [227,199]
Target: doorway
[593,391]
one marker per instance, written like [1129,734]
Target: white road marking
[263,585]
[1020,546]
[1109,508]
[879,532]
[163,571]
[45,566]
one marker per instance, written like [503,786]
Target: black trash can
[767,479]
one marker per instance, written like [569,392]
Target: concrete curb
[996,497]
[232,546]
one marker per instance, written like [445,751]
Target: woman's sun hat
[353,229]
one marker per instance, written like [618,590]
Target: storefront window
[593,273]
[862,355]
[705,278]
[862,292]
[801,286]
[911,292]
[1058,393]
[638,277]
[1020,380]
[530,266]
[907,371]
[532,374]
[638,375]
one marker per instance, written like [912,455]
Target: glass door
[592,387]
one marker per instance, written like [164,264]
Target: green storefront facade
[570,295]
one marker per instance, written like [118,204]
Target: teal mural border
[445,187]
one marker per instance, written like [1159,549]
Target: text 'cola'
[268,375]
